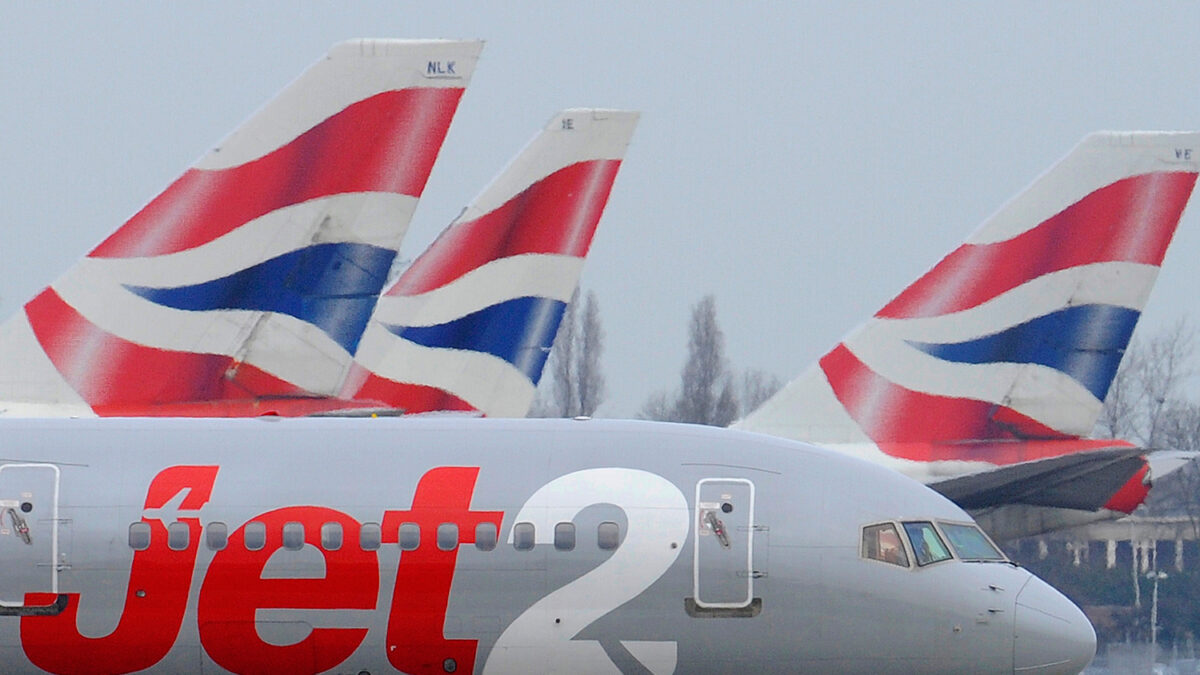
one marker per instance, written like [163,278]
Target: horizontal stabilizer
[1164,462]
[1083,480]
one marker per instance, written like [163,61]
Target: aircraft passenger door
[28,531]
[724,554]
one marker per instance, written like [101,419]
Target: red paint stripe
[999,452]
[1132,493]
[412,399]
[557,215]
[246,407]
[386,143]
[891,414]
[1131,220]
[115,375]
[922,427]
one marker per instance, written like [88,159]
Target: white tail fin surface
[253,274]
[1018,332]
[469,324]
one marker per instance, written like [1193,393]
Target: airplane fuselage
[450,545]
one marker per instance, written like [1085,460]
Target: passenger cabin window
[216,536]
[331,536]
[410,536]
[927,545]
[293,536]
[485,536]
[608,535]
[178,536]
[447,536]
[970,543]
[139,536]
[369,536]
[255,535]
[882,542]
[523,536]
[564,536]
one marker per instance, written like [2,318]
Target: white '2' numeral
[541,639]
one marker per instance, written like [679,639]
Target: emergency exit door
[28,531]
[724,554]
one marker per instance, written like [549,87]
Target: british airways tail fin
[469,324]
[253,274]
[1017,333]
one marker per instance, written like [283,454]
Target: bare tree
[1179,491]
[1147,386]
[589,380]
[562,356]
[1143,405]
[1164,369]
[576,386]
[542,406]
[1119,417]
[660,406]
[705,370]
[707,393]
[725,411]
[755,387]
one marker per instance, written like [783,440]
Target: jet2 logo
[159,580]
[233,589]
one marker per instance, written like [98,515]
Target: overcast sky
[801,161]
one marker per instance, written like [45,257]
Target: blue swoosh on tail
[520,331]
[332,286]
[1084,342]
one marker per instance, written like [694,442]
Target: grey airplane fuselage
[492,546]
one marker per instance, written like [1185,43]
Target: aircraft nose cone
[1052,636]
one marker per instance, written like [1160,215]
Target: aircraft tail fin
[1018,332]
[253,274]
[469,325]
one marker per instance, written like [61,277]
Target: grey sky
[802,161]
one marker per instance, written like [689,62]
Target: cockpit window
[882,542]
[927,545]
[970,543]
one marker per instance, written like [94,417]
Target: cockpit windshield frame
[882,542]
[921,542]
[949,527]
[928,543]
